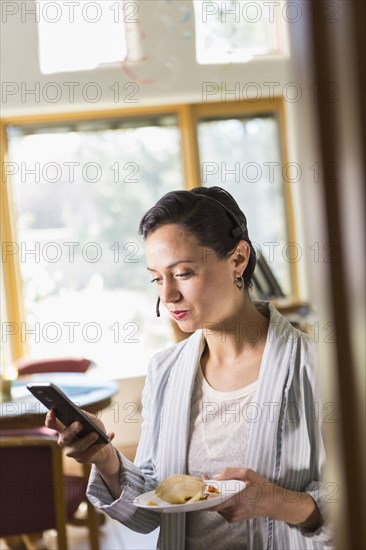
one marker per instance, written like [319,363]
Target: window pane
[80,194]
[233,31]
[243,156]
[79,37]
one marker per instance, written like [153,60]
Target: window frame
[188,117]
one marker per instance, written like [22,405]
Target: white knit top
[219,431]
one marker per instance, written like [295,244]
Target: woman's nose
[169,293]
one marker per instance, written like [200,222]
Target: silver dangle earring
[239,281]
[157,307]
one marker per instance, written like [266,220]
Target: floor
[113,536]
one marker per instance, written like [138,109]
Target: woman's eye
[180,275]
[184,275]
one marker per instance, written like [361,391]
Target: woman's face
[193,283]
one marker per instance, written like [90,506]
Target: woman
[236,399]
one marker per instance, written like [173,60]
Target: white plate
[228,488]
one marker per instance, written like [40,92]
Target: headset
[241,228]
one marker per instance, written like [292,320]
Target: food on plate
[212,490]
[183,489]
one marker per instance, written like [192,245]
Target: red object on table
[61,364]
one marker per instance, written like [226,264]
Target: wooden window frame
[188,116]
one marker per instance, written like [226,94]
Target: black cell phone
[66,411]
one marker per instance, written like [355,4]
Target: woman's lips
[179,314]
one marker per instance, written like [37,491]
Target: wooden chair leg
[32,541]
[92,519]
[15,542]
[60,503]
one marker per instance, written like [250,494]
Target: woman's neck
[243,335]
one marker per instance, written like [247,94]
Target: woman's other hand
[262,498]
[255,500]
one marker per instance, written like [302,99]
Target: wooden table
[24,411]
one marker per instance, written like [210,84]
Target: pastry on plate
[181,489]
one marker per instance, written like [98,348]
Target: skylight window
[80,36]
[235,31]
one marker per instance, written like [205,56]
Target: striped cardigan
[285,444]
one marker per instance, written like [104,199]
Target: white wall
[123,416]
[169,47]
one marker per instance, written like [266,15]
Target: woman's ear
[241,256]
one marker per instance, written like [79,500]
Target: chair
[34,494]
[27,365]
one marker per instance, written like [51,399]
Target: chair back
[27,366]
[31,487]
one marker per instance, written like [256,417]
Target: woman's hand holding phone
[84,450]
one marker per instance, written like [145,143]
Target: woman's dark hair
[211,214]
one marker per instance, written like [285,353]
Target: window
[235,31]
[80,188]
[243,156]
[80,36]
[80,193]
